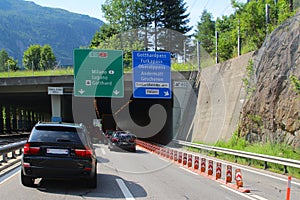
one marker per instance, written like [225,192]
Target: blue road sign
[151,75]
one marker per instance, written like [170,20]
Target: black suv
[59,151]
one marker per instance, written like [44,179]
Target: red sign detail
[103,54]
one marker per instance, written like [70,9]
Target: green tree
[283,9]
[106,31]
[205,32]
[175,16]
[7,62]
[12,64]
[32,57]
[115,42]
[227,40]
[47,58]
[253,24]
[37,57]
[3,59]
[118,13]
[149,14]
[146,18]
[174,23]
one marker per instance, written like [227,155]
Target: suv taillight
[131,140]
[28,150]
[114,140]
[87,152]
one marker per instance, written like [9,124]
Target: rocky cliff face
[272,110]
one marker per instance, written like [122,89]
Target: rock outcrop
[272,110]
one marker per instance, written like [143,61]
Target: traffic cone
[180,157]
[210,168]
[218,170]
[190,160]
[175,154]
[196,163]
[229,174]
[238,178]
[184,159]
[203,165]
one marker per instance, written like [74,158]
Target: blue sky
[93,7]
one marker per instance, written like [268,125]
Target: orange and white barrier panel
[180,157]
[171,154]
[175,156]
[228,174]
[218,170]
[196,163]
[190,160]
[238,178]
[203,165]
[167,153]
[161,152]
[210,167]
[184,159]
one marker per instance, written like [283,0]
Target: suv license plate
[58,151]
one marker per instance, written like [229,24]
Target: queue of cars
[122,140]
[65,151]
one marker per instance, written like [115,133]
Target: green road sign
[98,73]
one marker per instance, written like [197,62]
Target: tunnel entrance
[135,115]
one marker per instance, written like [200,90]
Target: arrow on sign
[166,93]
[116,92]
[81,91]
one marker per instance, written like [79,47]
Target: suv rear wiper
[62,140]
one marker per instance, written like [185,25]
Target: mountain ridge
[23,23]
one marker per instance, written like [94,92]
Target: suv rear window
[55,134]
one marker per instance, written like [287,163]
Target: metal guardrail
[265,158]
[11,149]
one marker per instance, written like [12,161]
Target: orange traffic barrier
[229,174]
[161,151]
[238,178]
[157,149]
[184,159]
[203,164]
[180,157]
[171,154]
[175,156]
[167,153]
[218,170]
[288,189]
[152,148]
[210,167]
[190,160]
[196,163]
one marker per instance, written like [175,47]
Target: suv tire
[92,183]
[26,180]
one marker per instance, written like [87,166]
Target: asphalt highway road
[144,175]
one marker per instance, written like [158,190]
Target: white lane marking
[189,171]
[124,189]
[239,193]
[257,197]
[9,175]
[103,152]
